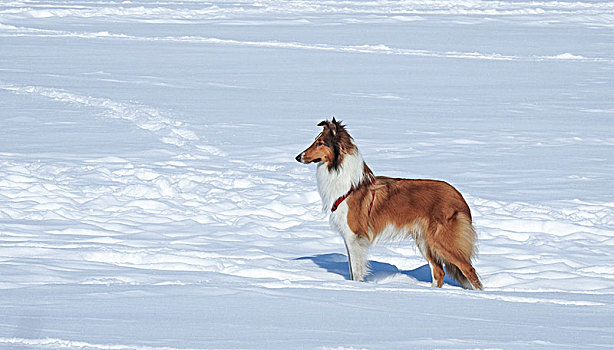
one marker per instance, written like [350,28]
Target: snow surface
[149,197]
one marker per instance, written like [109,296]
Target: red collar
[342,198]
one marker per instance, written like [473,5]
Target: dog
[366,209]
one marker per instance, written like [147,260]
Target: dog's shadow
[338,264]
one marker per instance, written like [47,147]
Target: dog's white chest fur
[333,184]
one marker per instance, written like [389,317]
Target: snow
[149,196]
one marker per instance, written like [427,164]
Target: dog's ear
[328,125]
[336,126]
[332,126]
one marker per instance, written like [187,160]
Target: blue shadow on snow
[338,264]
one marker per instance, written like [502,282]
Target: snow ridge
[147,118]
[53,343]
[358,49]
[305,12]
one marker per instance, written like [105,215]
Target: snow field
[172,192]
[149,198]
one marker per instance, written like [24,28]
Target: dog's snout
[298,158]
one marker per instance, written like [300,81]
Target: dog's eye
[320,143]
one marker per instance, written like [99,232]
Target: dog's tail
[458,250]
[455,272]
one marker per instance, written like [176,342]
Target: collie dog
[366,209]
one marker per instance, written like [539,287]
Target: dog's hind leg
[437,271]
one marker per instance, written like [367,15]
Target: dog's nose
[298,158]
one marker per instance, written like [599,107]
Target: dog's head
[329,146]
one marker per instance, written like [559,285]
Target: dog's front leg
[357,248]
[355,244]
[349,260]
